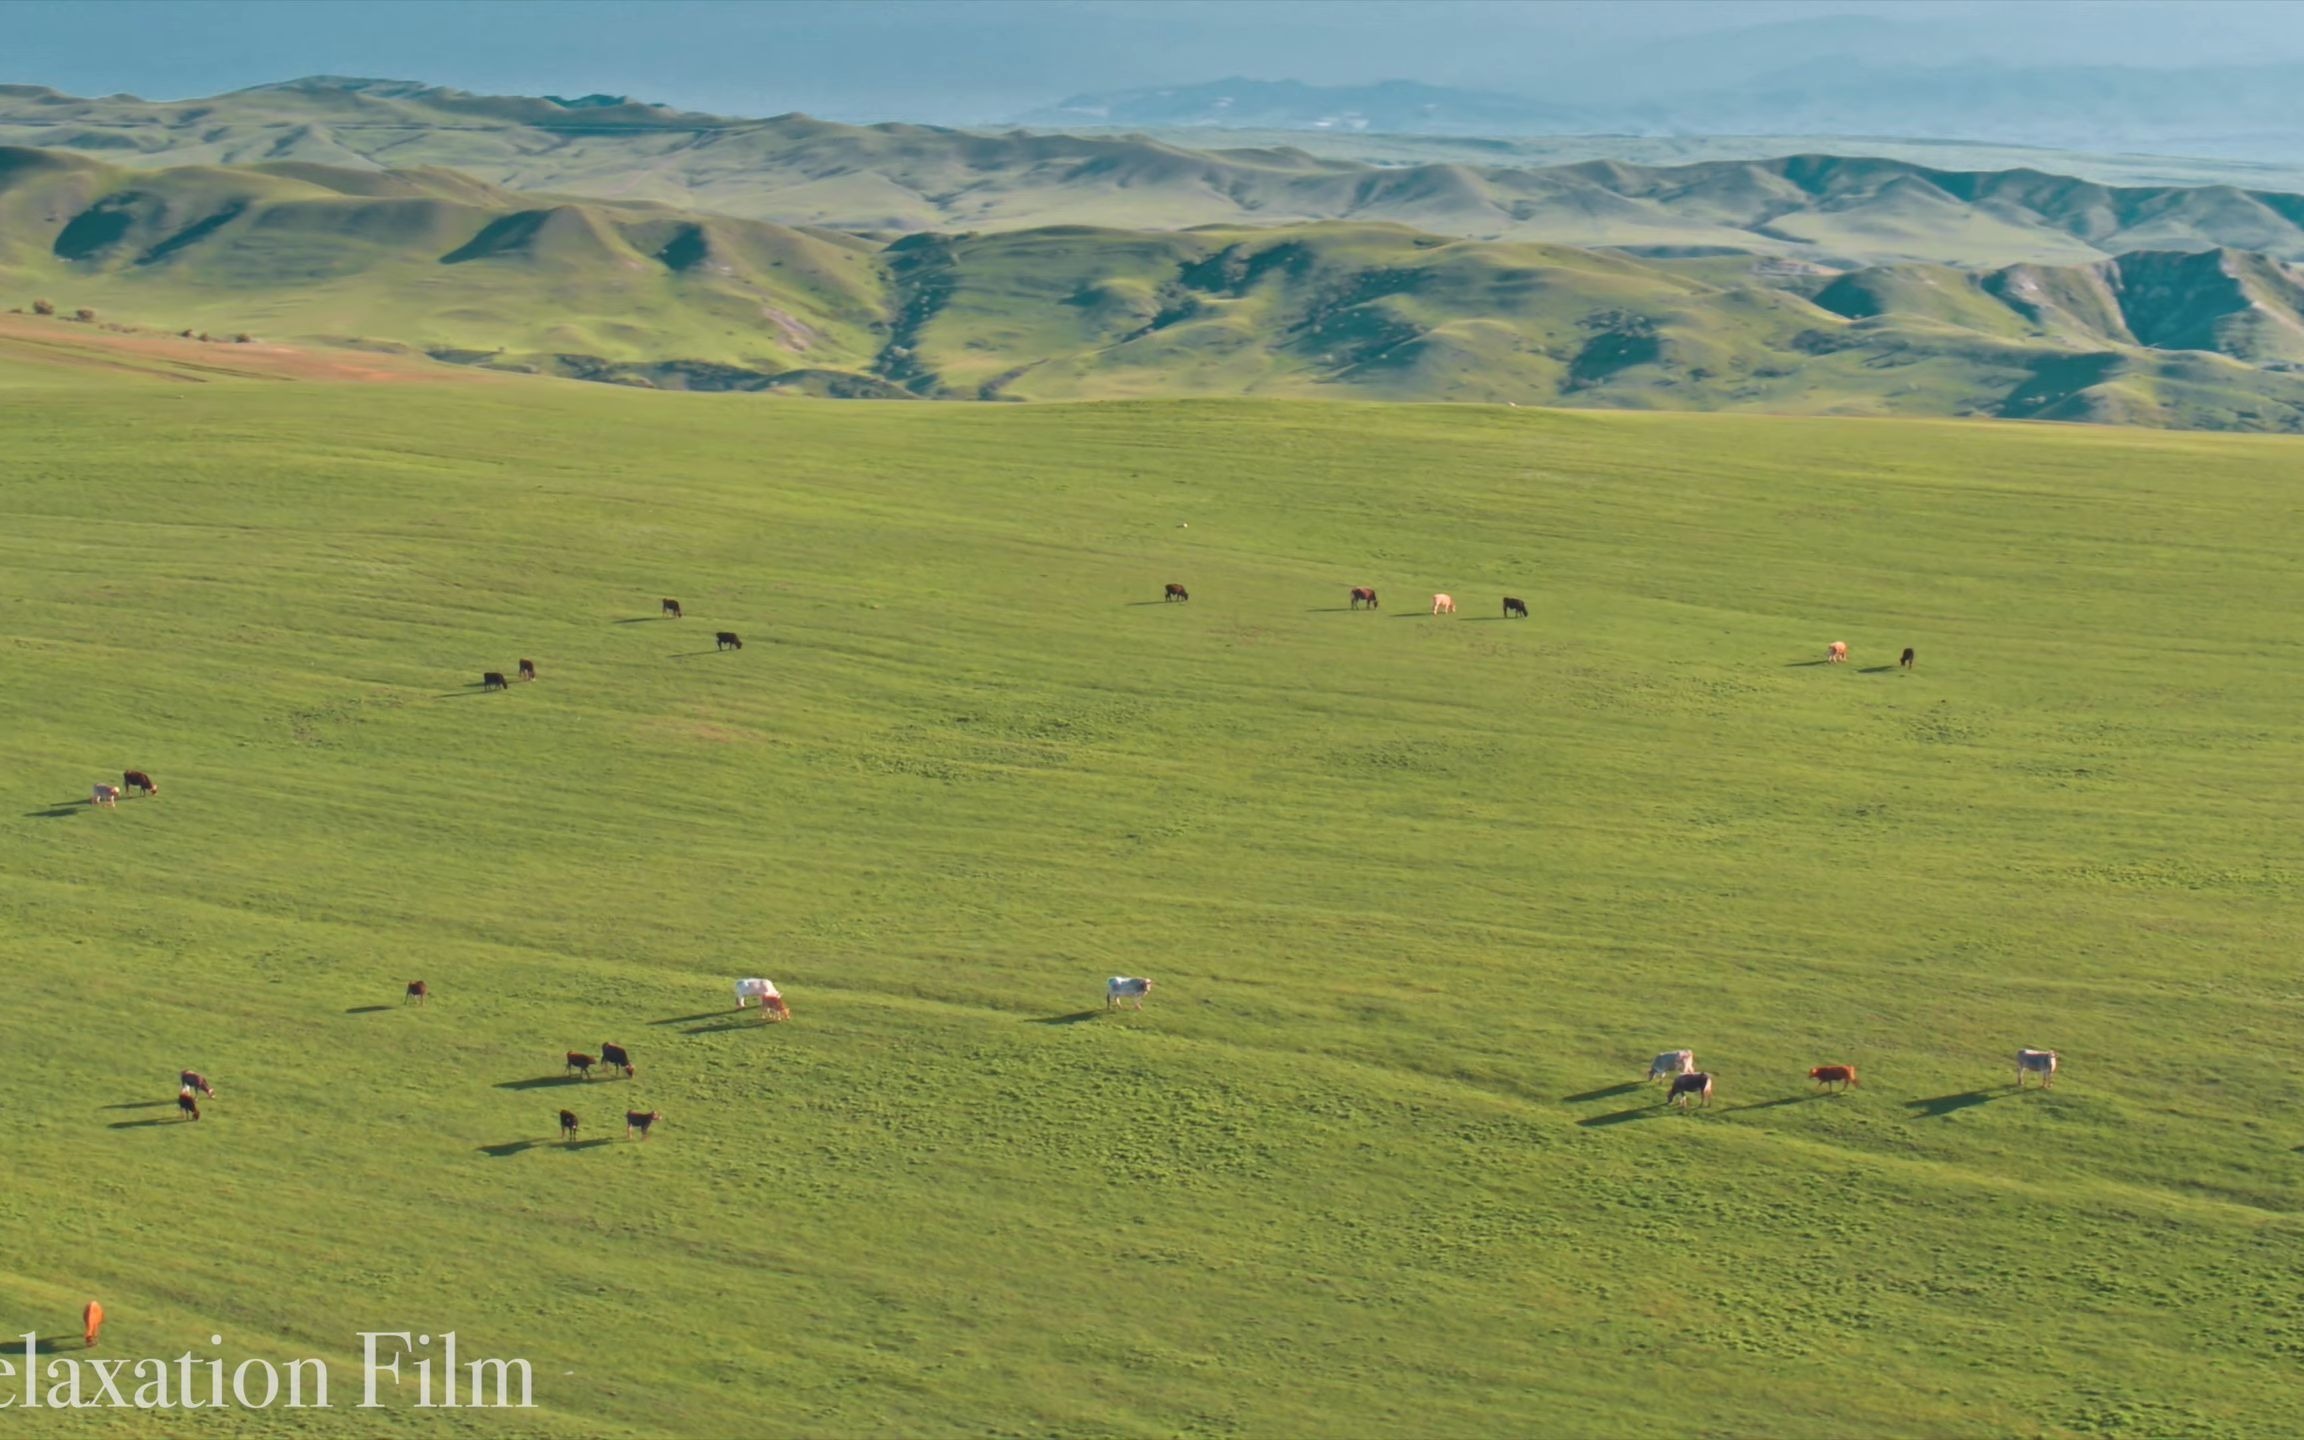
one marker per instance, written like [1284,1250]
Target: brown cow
[186,1107]
[138,780]
[1686,1088]
[1905,660]
[634,1120]
[567,1124]
[727,640]
[1364,595]
[1836,652]
[578,1060]
[672,608]
[194,1080]
[418,991]
[1831,1075]
[91,1324]
[1176,592]
[527,669]
[614,1056]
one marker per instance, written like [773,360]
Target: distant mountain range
[1839,211]
[2235,111]
[438,262]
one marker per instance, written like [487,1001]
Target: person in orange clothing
[91,1324]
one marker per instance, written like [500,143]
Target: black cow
[634,1120]
[578,1060]
[672,608]
[727,640]
[194,1080]
[613,1055]
[1906,659]
[187,1107]
[1693,1086]
[418,991]
[1514,607]
[494,680]
[567,1124]
[1176,592]
[527,669]
[138,780]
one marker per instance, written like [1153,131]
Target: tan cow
[1837,652]
[1443,604]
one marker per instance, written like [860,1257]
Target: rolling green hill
[1843,210]
[438,264]
[1421,896]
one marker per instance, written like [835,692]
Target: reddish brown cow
[567,1124]
[1364,595]
[418,991]
[1830,1075]
[579,1061]
[1176,592]
[634,1120]
[187,1107]
[194,1080]
[614,1056]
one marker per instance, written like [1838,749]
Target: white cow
[1671,1063]
[2036,1062]
[1443,604]
[105,795]
[1122,987]
[764,991]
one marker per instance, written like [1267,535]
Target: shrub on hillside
[84,315]
[43,307]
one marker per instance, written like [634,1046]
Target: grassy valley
[1421,896]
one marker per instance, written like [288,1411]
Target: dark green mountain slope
[437,263]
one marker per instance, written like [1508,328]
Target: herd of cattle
[1689,1085]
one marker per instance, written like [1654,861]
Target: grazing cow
[1443,604]
[1831,1075]
[567,1124]
[1686,1089]
[1176,592]
[494,680]
[2036,1062]
[91,1324]
[527,669]
[634,1120]
[1514,607]
[1364,595]
[771,1003]
[672,608]
[1837,652]
[726,640]
[1905,659]
[578,1060]
[187,1107]
[105,795]
[418,991]
[1123,987]
[138,780]
[194,1080]
[1671,1063]
[614,1056]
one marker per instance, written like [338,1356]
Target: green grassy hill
[1421,897]
[1841,209]
[434,263]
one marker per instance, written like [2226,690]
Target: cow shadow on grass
[1619,1117]
[1796,664]
[1604,1092]
[140,1124]
[61,810]
[691,1019]
[1133,603]
[1875,669]
[139,1105]
[1938,1106]
[509,1148]
[642,620]
[541,1082]
[690,654]
[743,1023]
[53,1344]
[367,1009]
[1782,1100]
[1072,1019]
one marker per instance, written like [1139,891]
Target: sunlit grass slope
[1421,897]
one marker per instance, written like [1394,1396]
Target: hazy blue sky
[974,60]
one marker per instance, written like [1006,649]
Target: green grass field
[1421,897]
